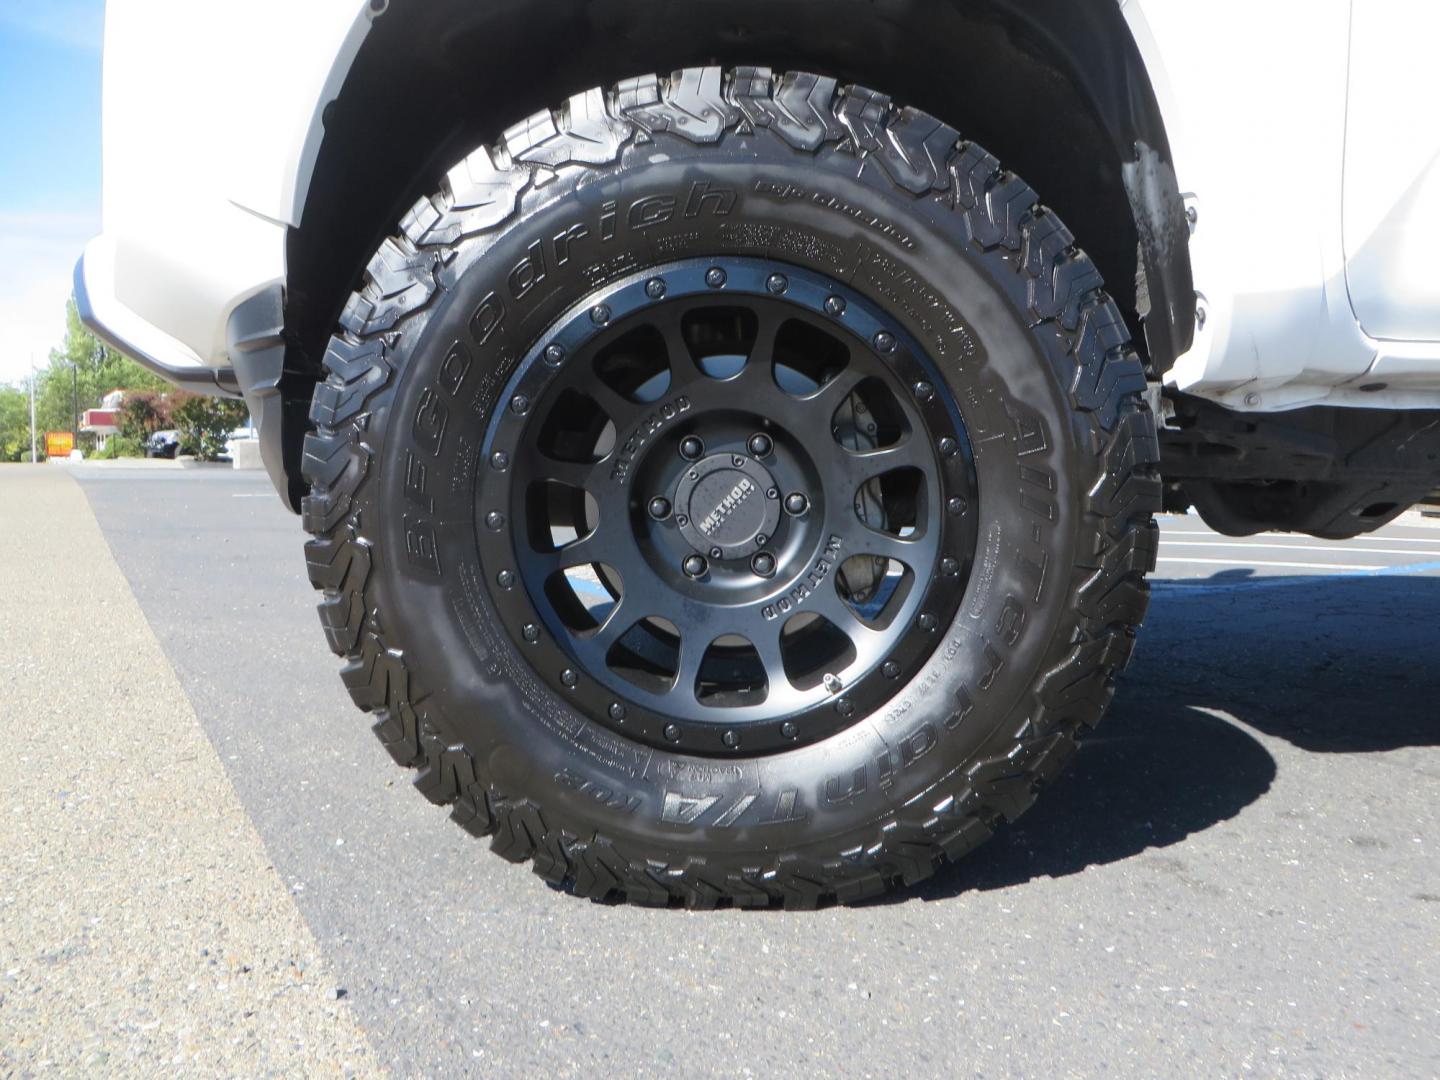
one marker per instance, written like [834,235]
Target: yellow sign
[59,443]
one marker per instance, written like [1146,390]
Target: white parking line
[1318,547]
[1258,562]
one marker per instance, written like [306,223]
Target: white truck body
[1313,108]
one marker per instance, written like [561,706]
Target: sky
[49,167]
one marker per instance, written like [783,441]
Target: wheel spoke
[577,474]
[850,470]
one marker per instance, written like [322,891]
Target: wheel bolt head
[928,622]
[789,730]
[949,447]
[715,278]
[796,504]
[691,447]
[924,391]
[655,288]
[672,732]
[956,505]
[845,707]
[659,508]
[569,678]
[694,565]
[617,711]
[835,306]
[730,739]
[530,632]
[555,355]
[949,567]
[716,553]
[600,314]
[890,669]
[494,521]
[505,579]
[763,564]
[777,283]
[500,460]
[885,341]
[761,444]
[520,404]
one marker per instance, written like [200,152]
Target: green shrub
[119,446]
[142,413]
[205,423]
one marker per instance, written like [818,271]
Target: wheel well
[1054,88]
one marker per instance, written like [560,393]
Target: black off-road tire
[965,259]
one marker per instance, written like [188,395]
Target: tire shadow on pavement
[1329,664]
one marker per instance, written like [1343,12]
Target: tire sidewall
[910,255]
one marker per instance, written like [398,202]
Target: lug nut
[555,355]
[777,283]
[835,306]
[715,278]
[694,565]
[600,314]
[691,447]
[655,288]
[885,341]
[796,504]
[763,564]
[495,521]
[659,508]
[761,444]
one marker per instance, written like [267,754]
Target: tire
[927,233]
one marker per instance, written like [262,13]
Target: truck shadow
[1337,664]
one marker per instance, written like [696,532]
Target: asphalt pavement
[1238,875]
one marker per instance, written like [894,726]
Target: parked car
[163,444]
[732,480]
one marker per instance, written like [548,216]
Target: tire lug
[835,306]
[659,508]
[600,314]
[777,283]
[494,521]
[569,678]
[715,277]
[694,566]
[691,447]
[655,288]
[796,503]
[763,564]
[885,341]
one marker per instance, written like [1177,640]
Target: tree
[15,424]
[205,422]
[142,413]
[81,372]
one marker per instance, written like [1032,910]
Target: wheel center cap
[729,503]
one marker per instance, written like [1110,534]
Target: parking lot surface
[1238,875]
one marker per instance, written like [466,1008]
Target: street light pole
[34,457]
[75,399]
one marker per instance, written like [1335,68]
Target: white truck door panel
[1392,170]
